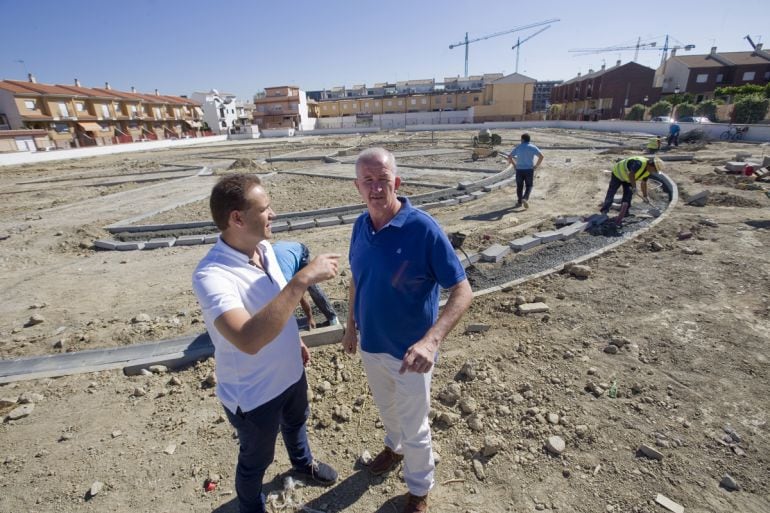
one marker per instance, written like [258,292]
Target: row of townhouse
[500,98]
[63,116]
[403,87]
[609,92]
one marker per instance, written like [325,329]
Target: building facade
[282,107]
[220,111]
[76,116]
[541,98]
[606,93]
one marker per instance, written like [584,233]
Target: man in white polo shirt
[248,309]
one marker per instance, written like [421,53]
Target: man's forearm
[459,300]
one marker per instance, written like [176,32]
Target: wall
[10,109]
[45,156]
[388,121]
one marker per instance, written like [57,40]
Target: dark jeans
[615,184]
[524,177]
[257,431]
[316,294]
[673,139]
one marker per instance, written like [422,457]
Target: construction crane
[517,46]
[467,41]
[651,45]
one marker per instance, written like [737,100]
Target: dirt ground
[687,303]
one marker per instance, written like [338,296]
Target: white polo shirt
[225,280]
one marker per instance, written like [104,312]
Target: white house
[219,110]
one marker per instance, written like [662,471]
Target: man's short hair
[377,155]
[525,137]
[229,194]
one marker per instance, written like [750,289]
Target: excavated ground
[691,312]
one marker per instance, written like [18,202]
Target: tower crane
[517,46]
[651,45]
[467,41]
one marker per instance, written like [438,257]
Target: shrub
[751,108]
[636,113]
[662,108]
[685,109]
[708,109]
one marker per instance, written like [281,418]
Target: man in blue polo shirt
[523,159]
[399,257]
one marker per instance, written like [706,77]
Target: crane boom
[467,41]
[517,46]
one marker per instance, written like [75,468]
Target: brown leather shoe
[385,461]
[415,504]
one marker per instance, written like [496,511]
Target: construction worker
[654,145]
[626,173]
[522,157]
[673,134]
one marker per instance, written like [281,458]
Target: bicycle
[733,133]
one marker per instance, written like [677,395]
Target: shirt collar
[229,251]
[400,218]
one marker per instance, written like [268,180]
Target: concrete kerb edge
[674,200]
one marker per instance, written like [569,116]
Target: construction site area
[598,369]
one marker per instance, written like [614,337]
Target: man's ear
[235,218]
[398,182]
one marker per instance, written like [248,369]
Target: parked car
[694,119]
[662,119]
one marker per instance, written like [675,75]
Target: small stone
[211,379]
[517,398]
[158,369]
[21,411]
[519,300]
[35,319]
[96,487]
[611,349]
[116,433]
[468,405]
[503,410]
[475,422]
[709,222]
[468,370]
[365,458]
[581,430]
[170,449]
[141,318]
[553,418]
[580,271]
[175,381]
[532,308]
[561,295]
[477,328]
[478,469]
[656,246]
[684,235]
[30,397]
[492,446]
[539,299]
[555,445]
[139,392]
[59,344]
[728,483]
[650,452]
[448,418]
[342,413]
[450,394]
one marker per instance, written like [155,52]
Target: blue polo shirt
[525,154]
[289,256]
[397,272]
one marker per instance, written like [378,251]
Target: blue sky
[242,46]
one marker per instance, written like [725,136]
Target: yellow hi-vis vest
[620,170]
[653,144]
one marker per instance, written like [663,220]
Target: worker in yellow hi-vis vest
[654,145]
[625,174]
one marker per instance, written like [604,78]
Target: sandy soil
[692,317]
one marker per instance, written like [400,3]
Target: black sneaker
[319,472]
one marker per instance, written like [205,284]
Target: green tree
[751,108]
[661,108]
[685,109]
[708,109]
[636,113]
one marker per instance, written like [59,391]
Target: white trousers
[404,404]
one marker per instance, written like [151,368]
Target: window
[61,128]
[449,100]
[79,107]
[749,75]
[702,78]
[156,111]
[424,101]
[224,124]
[475,98]
[30,104]
[105,111]
[116,106]
[414,101]
[63,111]
[720,78]
[366,104]
[767,75]
[104,127]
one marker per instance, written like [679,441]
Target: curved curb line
[674,195]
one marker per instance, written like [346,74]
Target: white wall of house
[219,110]
[8,107]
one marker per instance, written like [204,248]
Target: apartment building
[606,93]
[282,108]
[506,99]
[76,116]
[541,98]
[701,75]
